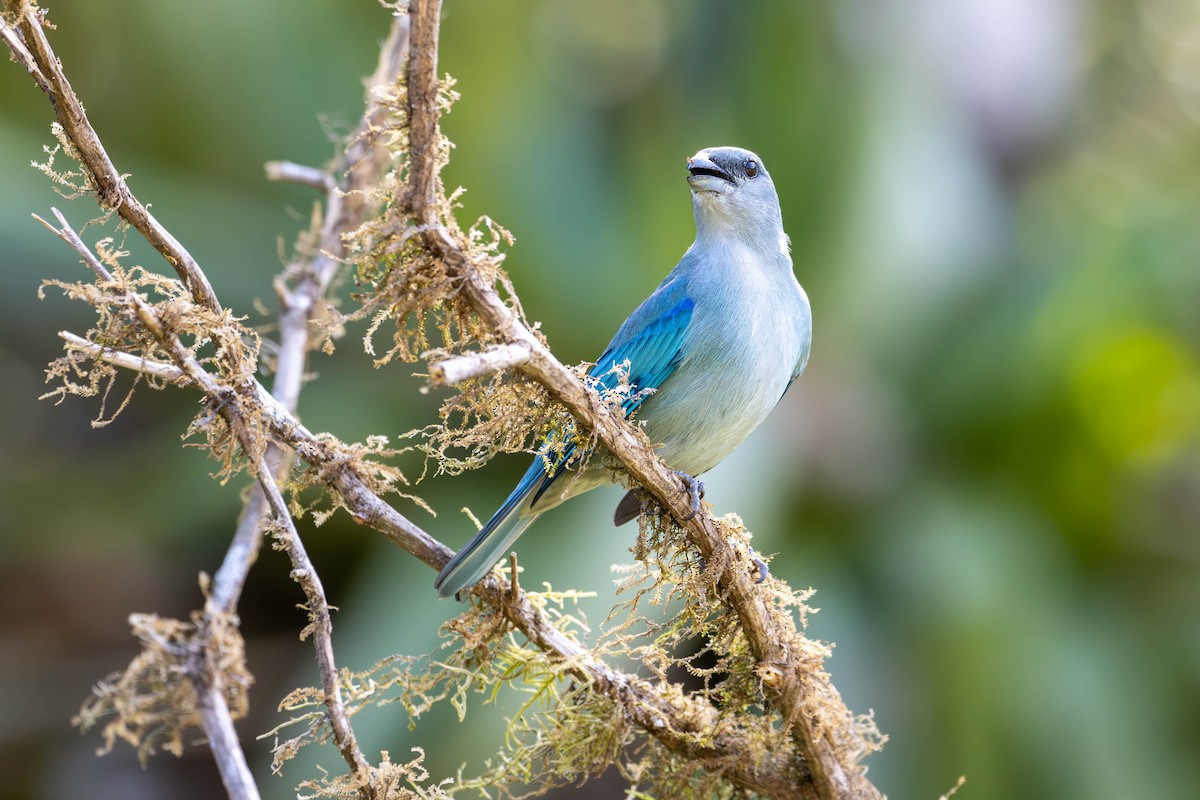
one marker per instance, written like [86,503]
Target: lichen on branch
[399,280]
[152,704]
[148,314]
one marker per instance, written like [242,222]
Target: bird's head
[733,194]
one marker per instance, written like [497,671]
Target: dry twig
[456,369]
[321,629]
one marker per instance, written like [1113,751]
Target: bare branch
[674,723]
[290,172]
[223,739]
[310,277]
[298,303]
[450,371]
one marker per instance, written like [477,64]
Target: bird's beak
[704,175]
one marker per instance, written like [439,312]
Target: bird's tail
[480,554]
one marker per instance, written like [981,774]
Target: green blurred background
[989,473]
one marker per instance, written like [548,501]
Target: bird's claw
[759,565]
[695,489]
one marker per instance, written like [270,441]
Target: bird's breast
[749,330]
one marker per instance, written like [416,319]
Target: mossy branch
[793,688]
[414,259]
[301,290]
[29,46]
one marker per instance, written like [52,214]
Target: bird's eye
[751,168]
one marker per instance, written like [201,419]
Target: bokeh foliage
[990,472]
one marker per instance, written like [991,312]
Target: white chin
[709,184]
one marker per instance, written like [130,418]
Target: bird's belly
[702,414]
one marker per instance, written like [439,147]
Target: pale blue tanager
[709,354]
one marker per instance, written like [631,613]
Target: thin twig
[321,627]
[68,235]
[291,172]
[21,53]
[37,56]
[146,366]
[455,370]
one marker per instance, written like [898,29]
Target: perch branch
[773,641]
[675,723]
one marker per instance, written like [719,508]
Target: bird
[706,356]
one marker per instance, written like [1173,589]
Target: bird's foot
[759,565]
[695,489]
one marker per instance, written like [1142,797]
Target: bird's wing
[805,318]
[651,341]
